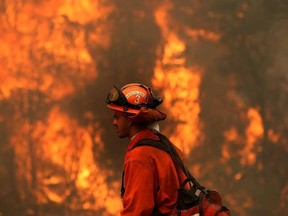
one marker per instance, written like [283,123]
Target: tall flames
[179,82]
[44,60]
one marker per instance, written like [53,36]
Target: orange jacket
[150,179]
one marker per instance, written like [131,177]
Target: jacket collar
[146,133]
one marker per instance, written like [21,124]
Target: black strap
[201,205]
[122,191]
[165,144]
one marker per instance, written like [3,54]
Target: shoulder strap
[165,144]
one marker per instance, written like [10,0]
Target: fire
[45,60]
[35,32]
[251,146]
[181,99]
[181,84]
[254,132]
[67,147]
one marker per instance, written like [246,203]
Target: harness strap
[166,145]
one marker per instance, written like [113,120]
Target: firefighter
[150,179]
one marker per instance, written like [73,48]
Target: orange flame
[66,146]
[44,49]
[254,132]
[46,30]
[181,84]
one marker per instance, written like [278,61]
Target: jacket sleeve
[140,189]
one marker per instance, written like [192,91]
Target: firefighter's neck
[135,129]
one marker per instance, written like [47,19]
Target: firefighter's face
[122,124]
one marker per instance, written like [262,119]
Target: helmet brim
[120,108]
[148,116]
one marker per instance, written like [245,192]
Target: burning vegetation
[220,68]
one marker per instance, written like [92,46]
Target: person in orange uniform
[150,178]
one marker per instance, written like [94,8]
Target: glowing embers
[197,34]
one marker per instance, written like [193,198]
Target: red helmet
[131,98]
